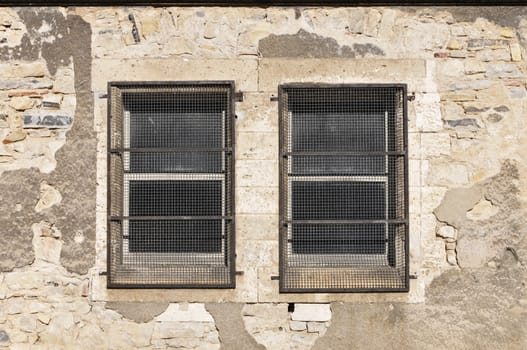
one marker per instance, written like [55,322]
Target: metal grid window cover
[170,198]
[343,188]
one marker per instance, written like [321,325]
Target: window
[170,199]
[343,188]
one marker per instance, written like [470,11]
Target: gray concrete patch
[310,45]
[138,312]
[233,335]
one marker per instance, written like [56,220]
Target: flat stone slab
[38,118]
[311,312]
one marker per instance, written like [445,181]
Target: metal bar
[169,149]
[342,153]
[167,218]
[350,222]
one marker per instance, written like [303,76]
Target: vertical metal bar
[232,237]
[108,187]
[281,194]
[406,190]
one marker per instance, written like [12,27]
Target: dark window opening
[171,185]
[343,188]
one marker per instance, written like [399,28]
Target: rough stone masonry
[466,68]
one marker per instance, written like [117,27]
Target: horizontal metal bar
[169,149]
[322,222]
[128,236]
[376,241]
[345,153]
[165,218]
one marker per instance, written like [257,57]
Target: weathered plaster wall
[466,68]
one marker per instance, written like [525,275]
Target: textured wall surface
[466,68]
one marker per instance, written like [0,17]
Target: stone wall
[465,69]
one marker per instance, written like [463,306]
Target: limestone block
[21,103]
[450,68]
[317,327]
[483,210]
[185,329]
[185,313]
[27,324]
[64,80]
[452,110]
[34,307]
[471,85]
[431,198]
[46,248]
[24,280]
[460,96]
[258,253]
[257,227]
[480,44]
[256,146]
[26,83]
[451,257]
[371,23]
[14,136]
[516,53]
[298,325]
[503,70]
[257,173]
[257,200]
[275,71]
[448,174]
[414,199]
[494,55]
[447,232]
[517,92]
[49,196]
[35,69]
[312,312]
[356,20]
[414,172]
[454,44]
[153,69]
[435,144]
[41,118]
[257,113]
[507,33]
[428,112]
[474,67]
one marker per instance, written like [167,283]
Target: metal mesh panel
[343,183]
[171,221]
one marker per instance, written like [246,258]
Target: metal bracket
[239,273]
[274,98]
[411,97]
[412,277]
[103,273]
[103,95]
[238,96]
[275,278]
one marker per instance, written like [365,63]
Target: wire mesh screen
[171,221]
[343,184]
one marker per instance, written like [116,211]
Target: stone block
[471,85]
[503,70]
[257,227]
[448,174]
[516,52]
[21,103]
[473,252]
[49,196]
[35,69]
[428,112]
[257,113]
[297,325]
[40,118]
[414,172]
[483,210]
[256,146]
[256,173]
[435,144]
[480,44]
[257,253]
[311,312]
[26,83]
[14,136]
[447,232]
[243,72]
[185,313]
[257,200]
[24,280]
[275,71]
[431,198]
[316,327]
[474,67]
